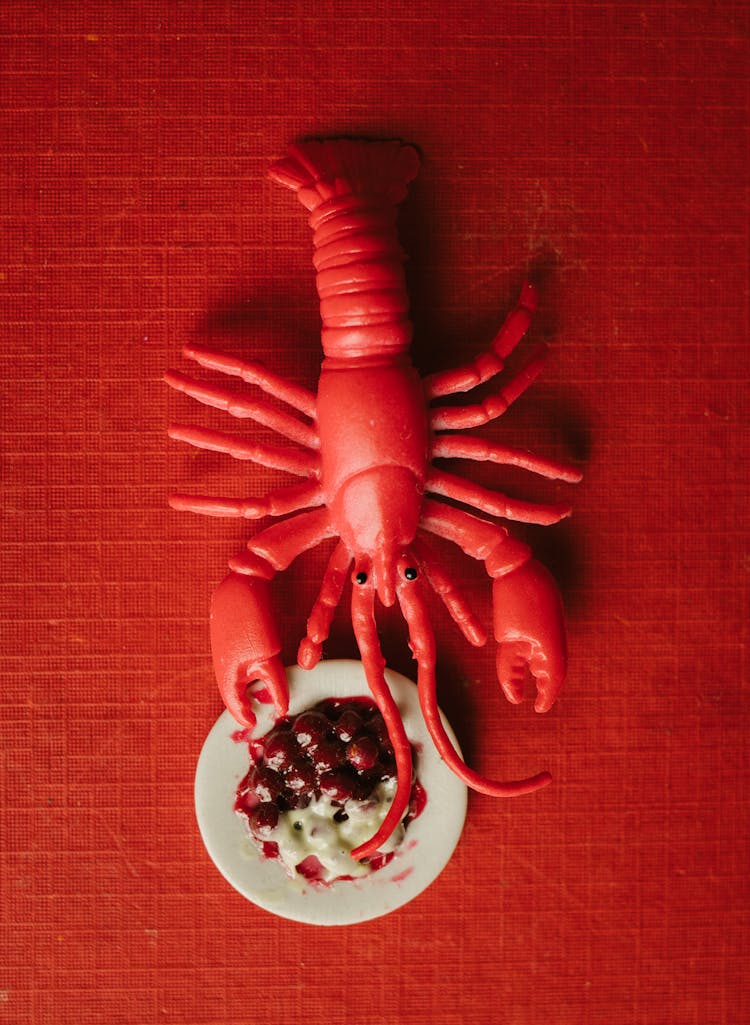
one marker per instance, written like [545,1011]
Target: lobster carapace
[364,447]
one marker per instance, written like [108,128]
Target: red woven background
[604,145]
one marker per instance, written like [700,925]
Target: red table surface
[604,145]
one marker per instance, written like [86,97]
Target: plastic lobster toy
[365,448]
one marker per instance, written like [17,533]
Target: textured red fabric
[604,145]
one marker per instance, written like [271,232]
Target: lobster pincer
[529,623]
[244,638]
[530,633]
[246,647]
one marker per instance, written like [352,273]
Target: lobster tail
[352,188]
[320,170]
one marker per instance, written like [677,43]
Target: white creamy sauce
[314,830]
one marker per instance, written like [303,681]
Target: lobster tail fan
[319,170]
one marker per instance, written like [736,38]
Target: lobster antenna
[422,643]
[366,633]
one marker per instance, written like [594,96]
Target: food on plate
[321,783]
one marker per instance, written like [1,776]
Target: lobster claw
[246,647]
[530,632]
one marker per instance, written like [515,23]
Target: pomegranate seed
[386,767]
[329,754]
[362,753]
[377,728]
[417,802]
[291,801]
[348,725]
[311,868]
[330,708]
[338,785]
[264,819]
[300,776]
[246,801]
[266,783]
[256,750]
[378,860]
[310,728]
[364,786]
[280,749]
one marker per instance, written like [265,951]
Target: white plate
[428,845]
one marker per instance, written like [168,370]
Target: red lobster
[365,452]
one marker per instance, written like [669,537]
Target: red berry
[386,767]
[246,801]
[300,776]
[310,728]
[266,783]
[348,725]
[311,868]
[329,754]
[417,802]
[377,728]
[364,786]
[378,860]
[338,785]
[362,753]
[280,749]
[330,708]
[256,750]
[264,819]
[291,801]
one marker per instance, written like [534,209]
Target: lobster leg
[479,538]
[244,638]
[493,502]
[303,464]
[276,503]
[366,633]
[529,624]
[321,616]
[276,547]
[461,417]
[488,364]
[454,601]
[244,408]
[254,373]
[454,446]
[422,644]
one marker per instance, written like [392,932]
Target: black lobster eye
[361,577]
[410,573]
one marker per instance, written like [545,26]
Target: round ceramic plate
[427,847]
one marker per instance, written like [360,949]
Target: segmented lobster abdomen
[352,189]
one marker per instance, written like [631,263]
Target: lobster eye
[361,577]
[410,573]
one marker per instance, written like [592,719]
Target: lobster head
[379,514]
